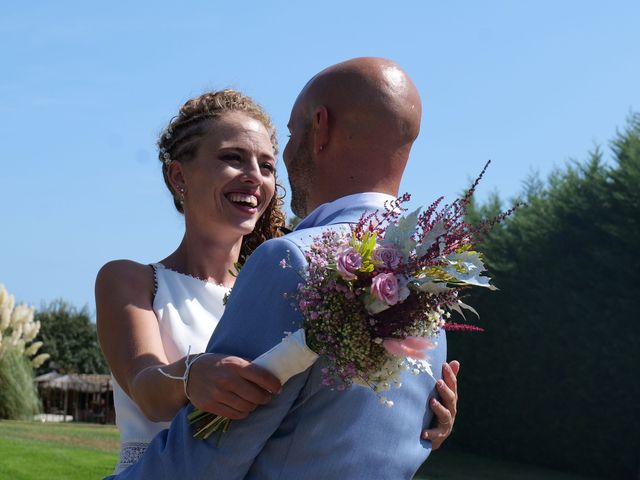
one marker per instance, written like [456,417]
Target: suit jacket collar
[347,209]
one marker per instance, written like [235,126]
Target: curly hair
[182,137]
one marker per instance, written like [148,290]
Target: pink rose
[384,287]
[348,263]
[388,255]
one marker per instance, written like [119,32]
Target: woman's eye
[269,166]
[231,157]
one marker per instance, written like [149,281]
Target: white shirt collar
[375,199]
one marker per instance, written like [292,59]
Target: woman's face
[231,180]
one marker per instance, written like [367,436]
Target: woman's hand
[229,386]
[445,411]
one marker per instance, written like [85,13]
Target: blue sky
[86,88]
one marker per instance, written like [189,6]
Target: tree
[555,373]
[70,338]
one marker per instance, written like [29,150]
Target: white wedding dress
[188,310]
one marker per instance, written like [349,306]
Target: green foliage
[554,378]
[70,338]
[18,395]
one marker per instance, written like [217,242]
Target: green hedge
[554,380]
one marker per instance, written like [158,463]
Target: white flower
[16,335]
[3,295]
[39,360]
[32,349]
[5,316]
[31,329]
[22,314]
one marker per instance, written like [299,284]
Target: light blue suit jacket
[307,431]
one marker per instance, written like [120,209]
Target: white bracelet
[188,363]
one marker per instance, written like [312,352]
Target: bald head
[365,94]
[352,129]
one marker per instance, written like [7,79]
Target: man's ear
[320,126]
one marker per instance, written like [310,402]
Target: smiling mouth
[244,200]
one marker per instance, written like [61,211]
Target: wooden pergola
[86,397]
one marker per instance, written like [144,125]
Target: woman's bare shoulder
[118,275]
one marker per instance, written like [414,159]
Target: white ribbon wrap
[288,358]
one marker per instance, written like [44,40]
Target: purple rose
[388,255]
[384,287]
[348,262]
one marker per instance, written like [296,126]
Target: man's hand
[229,386]
[445,412]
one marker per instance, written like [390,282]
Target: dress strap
[155,267]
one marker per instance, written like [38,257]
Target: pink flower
[388,255]
[348,262]
[384,287]
[413,347]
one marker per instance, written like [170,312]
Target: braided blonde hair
[181,139]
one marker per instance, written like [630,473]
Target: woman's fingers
[261,377]
[446,409]
[443,425]
[450,375]
[448,397]
[224,410]
[218,381]
[249,391]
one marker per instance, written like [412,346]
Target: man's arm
[256,318]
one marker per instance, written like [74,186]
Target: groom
[352,128]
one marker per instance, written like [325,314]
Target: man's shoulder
[305,237]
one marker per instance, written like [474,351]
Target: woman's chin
[246,227]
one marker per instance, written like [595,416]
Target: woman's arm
[129,336]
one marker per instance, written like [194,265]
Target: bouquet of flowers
[375,294]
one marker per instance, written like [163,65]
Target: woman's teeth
[247,200]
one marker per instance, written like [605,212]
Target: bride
[218,161]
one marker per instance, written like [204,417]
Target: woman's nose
[252,173]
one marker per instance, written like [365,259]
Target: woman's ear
[176,177]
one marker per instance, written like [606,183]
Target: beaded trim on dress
[130,453]
[188,275]
[154,267]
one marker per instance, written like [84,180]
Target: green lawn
[69,451]
[73,451]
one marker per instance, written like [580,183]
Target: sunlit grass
[68,451]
